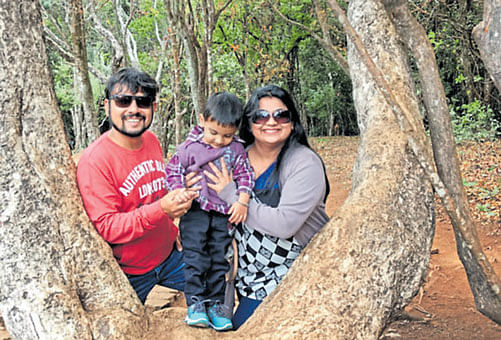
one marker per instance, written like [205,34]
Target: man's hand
[177,202]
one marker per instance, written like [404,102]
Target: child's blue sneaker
[218,316]
[196,315]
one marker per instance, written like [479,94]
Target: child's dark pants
[205,238]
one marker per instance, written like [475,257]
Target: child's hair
[225,108]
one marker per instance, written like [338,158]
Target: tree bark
[77,118]
[82,70]
[369,261]
[486,35]
[190,27]
[59,279]
[371,258]
[481,276]
[176,89]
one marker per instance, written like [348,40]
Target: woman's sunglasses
[280,116]
[123,101]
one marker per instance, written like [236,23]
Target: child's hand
[176,202]
[185,195]
[238,213]
[192,181]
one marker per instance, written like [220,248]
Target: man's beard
[132,134]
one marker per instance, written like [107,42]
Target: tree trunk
[354,276]
[190,28]
[486,35]
[176,77]
[369,261]
[77,118]
[372,257]
[118,56]
[59,279]
[481,276]
[82,70]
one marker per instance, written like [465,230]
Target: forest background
[198,47]
[186,45]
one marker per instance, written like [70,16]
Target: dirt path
[445,309]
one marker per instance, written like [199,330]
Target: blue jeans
[246,307]
[169,273]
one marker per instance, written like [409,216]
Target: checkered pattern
[263,261]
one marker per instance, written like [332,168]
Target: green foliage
[225,64]
[485,193]
[326,93]
[449,25]
[253,44]
[469,184]
[473,121]
[486,208]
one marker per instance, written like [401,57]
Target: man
[121,180]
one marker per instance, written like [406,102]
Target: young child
[204,228]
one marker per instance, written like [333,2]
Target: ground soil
[445,308]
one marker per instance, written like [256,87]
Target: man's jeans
[169,273]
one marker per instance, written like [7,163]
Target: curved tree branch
[420,146]
[325,40]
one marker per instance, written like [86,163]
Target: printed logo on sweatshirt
[137,173]
[152,187]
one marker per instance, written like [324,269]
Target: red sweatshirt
[120,189]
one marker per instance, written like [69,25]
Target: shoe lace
[220,309]
[199,304]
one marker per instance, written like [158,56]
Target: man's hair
[132,79]
[225,108]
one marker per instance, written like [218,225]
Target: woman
[290,193]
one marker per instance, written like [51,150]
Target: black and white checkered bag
[263,260]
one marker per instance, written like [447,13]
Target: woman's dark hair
[297,136]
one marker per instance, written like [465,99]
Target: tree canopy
[296,44]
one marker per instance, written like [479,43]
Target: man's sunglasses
[123,101]
[280,116]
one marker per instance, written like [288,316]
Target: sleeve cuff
[244,190]
[229,193]
[174,186]
[154,212]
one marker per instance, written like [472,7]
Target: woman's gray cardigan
[301,211]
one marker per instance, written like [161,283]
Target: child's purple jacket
[193,155]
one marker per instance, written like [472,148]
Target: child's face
[215,134]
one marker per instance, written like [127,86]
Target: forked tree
[60,281]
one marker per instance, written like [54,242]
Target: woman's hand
[219,178]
